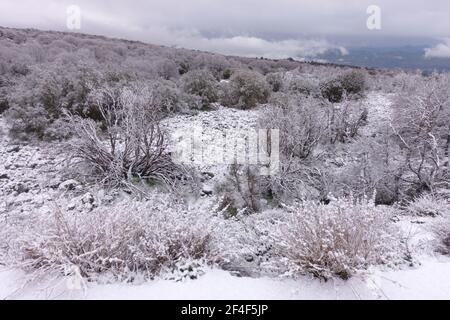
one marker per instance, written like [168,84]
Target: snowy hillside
[132,171]
[31,181]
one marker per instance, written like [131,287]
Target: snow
[428,281]
[379,107]
[234,123]
[31,180]
[30,174]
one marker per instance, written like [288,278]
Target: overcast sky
[271,28]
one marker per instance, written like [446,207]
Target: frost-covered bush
[332,90]
[303,84]
[421,128]
[441,230]
[428,205]
[275,80]
[227,94]
[301,124]
[241,191]
[279,99]
[246,90]
[203,84]
[167,69]
[346,120]
[27,120]
[263,66]
[215,63]
[352,83]
[131,146]
[127,241]
[169,98]
[41,98]
[335,240]
[370,170]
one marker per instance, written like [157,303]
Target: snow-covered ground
[30,180]
[29,174]
[209,129]
[428,281]
[379,107]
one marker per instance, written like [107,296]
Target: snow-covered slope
[30,180]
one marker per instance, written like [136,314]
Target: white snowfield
[430,280]
[26,186]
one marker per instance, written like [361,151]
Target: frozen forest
[95,202]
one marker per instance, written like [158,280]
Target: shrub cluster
[327,241]
[336,240]
[154,239]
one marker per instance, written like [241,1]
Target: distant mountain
[405,57]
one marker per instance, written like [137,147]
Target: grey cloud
[276,28]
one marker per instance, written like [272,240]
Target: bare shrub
[124,241]
[301,124]
[299,179]
[370,169]
[134,145]
[420,124]
[227,94]
[345,120]
[336,240]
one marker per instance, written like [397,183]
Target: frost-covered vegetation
[88,182]
[338,239]
[153,239]
[442,233]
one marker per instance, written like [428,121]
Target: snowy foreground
[427,281]
[30,182]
